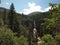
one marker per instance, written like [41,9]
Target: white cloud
[32,7]
[47,9]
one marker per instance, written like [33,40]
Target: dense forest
[18,29]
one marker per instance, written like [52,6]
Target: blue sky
[28,6]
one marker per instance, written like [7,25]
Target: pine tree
[12,17]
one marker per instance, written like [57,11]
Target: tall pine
[12,20]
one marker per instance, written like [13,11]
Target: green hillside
[37,28]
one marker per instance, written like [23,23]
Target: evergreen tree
[12,17]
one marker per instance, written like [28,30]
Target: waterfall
[34,29]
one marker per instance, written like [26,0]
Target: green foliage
[57,38]
[47,38]
[47,25]
[6,36]
[52,26]
[23,41]
[23,31]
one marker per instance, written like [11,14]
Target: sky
[28,6]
